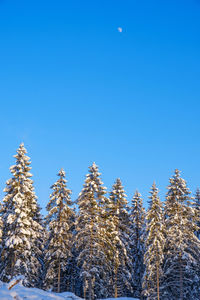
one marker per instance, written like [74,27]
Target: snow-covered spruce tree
[60,222]
[1,225]
[154,247]
[181,260]
[197,207]
[137,218]
[40,243]
[71,273]
[120,233]
[91,258]
[21,229]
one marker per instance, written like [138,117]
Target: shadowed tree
[181,261]
[137,217]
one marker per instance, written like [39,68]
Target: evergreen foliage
[120,234]
[104,248]
[60,222]
[91,256]
[137,218]
[21,230]
[181,262]
[197,207]
[154,247]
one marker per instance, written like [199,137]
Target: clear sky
[76,90]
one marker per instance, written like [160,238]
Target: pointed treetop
[118,196]
[136,196]
[118,181]
[61,173]
[154,198]
[176,177]
[177,189]
[154,194]
[21,154]
[94,174]
[154,184]
[137,204]
[93,184]
[197,194]
[22,148]
[118,188]
[94,168]
[22,162]
[137,193]
[177,172]
[154,190]
[197,199]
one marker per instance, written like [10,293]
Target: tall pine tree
[21,228]
[120,239]
[89,244]
[60,222]
[154,247]
[181,262]
[137,217]
[197,207]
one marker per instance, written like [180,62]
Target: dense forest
[100,246]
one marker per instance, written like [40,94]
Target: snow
[19,292]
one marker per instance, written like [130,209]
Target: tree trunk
[181,277]
[91,254]
[14,283]
[58,288]
[13,265]
[116,284]
[115,272]
[90,289]
[157,274]
[84,290]
[59,218]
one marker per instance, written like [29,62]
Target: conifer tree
[137,217]
[181,262]
[120,239]
[60,222]
[91,256]
[21,230]
[1,225]
[154,247]
[197,207]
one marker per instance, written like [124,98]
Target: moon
[119,29]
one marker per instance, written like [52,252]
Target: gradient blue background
[75,90]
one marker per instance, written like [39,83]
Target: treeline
[106,248]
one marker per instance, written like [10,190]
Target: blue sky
[75,90]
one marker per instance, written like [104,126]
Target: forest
[100,245]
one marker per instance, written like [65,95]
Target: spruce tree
[137,217]
[197,207]
[181,262]
[1,225]
[120,239]
[60,222]
[154,247]
[89,244]
[21,230]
